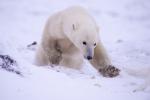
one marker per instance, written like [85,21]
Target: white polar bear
[69,37]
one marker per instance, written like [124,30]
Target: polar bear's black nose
[89,57]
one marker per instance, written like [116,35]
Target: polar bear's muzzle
[89,53]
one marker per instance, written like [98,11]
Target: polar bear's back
[77,14]
[75,10]
[63,20]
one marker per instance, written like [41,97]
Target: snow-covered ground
[125,32]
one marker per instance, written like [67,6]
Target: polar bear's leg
[41,58]
[102,62]
[52,51]
[72,61]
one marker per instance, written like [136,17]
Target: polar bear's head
[84,37]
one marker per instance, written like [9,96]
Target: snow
[124,27]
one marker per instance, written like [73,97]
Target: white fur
[70,28]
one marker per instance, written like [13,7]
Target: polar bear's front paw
[109,71]
[55,59]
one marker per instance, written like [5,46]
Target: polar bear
[69,37]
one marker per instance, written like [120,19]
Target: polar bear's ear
[74,27]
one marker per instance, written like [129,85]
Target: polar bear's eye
[84,42]
[94,44]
